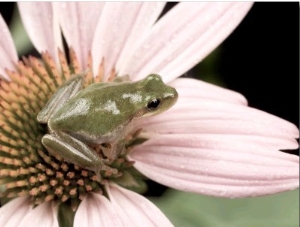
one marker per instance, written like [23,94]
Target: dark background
[260,59]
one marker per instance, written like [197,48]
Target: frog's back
[97,113]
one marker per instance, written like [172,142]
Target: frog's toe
[109,170]
[105,170]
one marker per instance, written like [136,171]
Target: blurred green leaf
[65,215]
[207,69]
[191,210]
[20,37]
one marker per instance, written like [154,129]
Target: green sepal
[135,142]
[133,180]
[65,215]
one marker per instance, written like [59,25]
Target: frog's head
[157,96]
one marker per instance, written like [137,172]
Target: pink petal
[213,110]
[217,165]
[199,116]
[13,212]
[8,54]
[43,215]
[79,21]
[135,209]
[120,26]
[96,210]
[146,17]
[183,37]
[192,88]
[42,26]
[217,146]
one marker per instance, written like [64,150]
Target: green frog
[101,114]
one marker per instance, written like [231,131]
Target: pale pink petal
[201,116]
[118,30]
[226,166]
[213,110]
[13,212]
[95,211]
[183,37]
[42,26]
[192,88]
[8,54]
[211,144]
[136,209]
[145,19]
[78,21]
[43,215]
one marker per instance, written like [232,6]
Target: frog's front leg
[76,152]
[61,96]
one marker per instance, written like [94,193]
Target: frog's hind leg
[76,152]
[62,95]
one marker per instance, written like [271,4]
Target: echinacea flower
[210,142]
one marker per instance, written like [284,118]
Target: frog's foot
[108,171]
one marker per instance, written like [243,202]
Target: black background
[260,59]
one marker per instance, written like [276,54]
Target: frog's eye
[153,104]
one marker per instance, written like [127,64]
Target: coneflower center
[26,167]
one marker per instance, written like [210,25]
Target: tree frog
[101,114]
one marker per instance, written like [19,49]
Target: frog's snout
[170,98]
[173,95]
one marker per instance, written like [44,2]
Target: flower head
[210,142]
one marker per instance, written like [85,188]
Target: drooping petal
[192,88]
[213,110]
[230,166]
[8,53]
[41,24]
[96,210]
[218,147]
[121,27]
[135,209]
[212,117]
[13,212]
[175,45]
[43,215]
[78,21]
